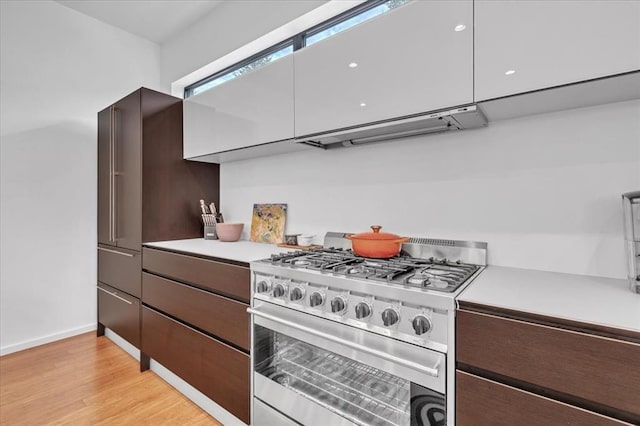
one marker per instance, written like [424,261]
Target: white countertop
[241,251]
[595,300]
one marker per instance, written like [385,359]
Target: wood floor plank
[84,380]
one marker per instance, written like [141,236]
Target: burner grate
[440,274]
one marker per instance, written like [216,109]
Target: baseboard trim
[197,397]
[124,345]
[9,349]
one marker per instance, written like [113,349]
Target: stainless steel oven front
[313,371]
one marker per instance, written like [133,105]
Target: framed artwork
[267,223]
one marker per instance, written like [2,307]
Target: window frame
[297,42]
[188,90]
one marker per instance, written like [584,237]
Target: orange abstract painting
[267,223]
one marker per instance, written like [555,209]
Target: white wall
[58,69]
[543,191]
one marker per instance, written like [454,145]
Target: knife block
[210,233]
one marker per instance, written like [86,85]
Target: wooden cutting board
[291,246]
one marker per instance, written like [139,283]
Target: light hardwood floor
[84,380]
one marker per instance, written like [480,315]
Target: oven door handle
[431,371]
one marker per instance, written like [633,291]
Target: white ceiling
[155,20]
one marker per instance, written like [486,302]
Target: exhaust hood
[466,117]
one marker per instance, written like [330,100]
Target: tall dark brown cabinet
[146,192]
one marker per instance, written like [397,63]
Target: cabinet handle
[115,295]
[111,173]
[431,371]
[115,252]
[114,196]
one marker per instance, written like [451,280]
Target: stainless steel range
[340,339]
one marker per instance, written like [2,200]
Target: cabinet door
[254,108]
[120,268]
[568,362]
[119,312]
[215,369]
[484,402]
[128,171]
[550,43]
[104,177]
[230,280]
[409,60]
[224,318]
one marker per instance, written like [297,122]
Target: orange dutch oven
[376,244]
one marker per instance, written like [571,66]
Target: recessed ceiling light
[510,72]
[353,65]
[460,27]
[362,104]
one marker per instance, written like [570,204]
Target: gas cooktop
[434,273]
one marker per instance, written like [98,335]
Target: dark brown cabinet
[219,371]
[488,402]
[146,190]
[517,370]
[120,311]
[119,173]
[195,323]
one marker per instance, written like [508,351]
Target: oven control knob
[363,310]
[296,293]
[421,324]
[389,317]
[279,289]
[263,286]
[316,299]
[338,305]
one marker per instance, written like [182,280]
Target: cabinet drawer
[215,369]
[119,312]
[220,277]
[484,402]
[224,317]
[120,268]
[593,368]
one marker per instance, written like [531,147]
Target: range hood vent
[466,117]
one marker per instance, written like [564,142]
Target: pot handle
[376,228]
[349,236]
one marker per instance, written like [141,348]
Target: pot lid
[375,235]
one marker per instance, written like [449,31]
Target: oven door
[316,371]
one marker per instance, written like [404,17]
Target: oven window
[358,392]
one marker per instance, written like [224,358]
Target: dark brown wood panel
[219,277]
[598,369]
[223,317]
[583,327]
[119,312]
[215,369]
[104,176]
[128,154]
[481,401]
[120,268]
[172,186]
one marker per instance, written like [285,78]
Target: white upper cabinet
[252,109]
[527,45]
[406,61]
